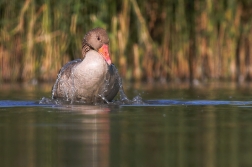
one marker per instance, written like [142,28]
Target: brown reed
[150,40]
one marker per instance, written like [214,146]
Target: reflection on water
[130,136]
[48,137]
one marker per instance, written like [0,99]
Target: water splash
[123,98]
[47,101]
[68,93]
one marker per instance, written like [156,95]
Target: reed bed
[162,40]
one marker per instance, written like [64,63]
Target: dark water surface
[206,125]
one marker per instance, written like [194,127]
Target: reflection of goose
[88,127]
[85,109]
[92,79]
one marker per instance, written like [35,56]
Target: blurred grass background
[153,40]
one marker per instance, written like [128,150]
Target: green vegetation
[151,40]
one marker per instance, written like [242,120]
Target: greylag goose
[94,78]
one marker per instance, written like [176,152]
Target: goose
[94,78]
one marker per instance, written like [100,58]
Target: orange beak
[104,50]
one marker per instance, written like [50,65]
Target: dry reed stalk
[183,67]
[47,60]
[219,45]
[249,58]
[238,37]
[123,36]
[137,74]
[122,58]
[28,61]
[20,26]
[166,53]
[15,62]
[73,24]
[5,70]
[113,41]
[242,54]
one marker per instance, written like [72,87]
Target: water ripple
[161,102]
[197,102]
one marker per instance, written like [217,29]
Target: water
[206,125]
